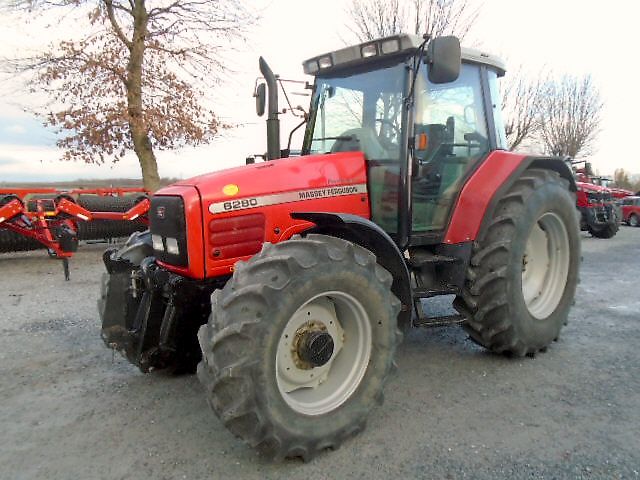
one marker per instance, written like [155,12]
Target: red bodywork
[477,194]
[261,197]
[582,197]
[620,192]
[583,178]
[596,205]
[23,193]
[632,209]
[298,184]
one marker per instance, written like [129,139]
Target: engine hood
[241,208]
[279,176]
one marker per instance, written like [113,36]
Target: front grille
[594,197]
[168,230]
[236,236]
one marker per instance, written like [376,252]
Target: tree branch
[114,23]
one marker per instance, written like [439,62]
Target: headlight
[325,62]
[390,46]
[311,67]
[157,243]
[370,50]
[172,246]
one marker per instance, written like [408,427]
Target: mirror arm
[417,58]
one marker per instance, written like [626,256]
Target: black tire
[11,241]
[607,231]
[492,298]
[249,315]
[617,210]
[47,201]
[634,221]
[106,203]
[106,229]
[4,199]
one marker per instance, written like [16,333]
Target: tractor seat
[361,140]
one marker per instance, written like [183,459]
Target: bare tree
[522,98]
[444,17]
[622,180]
[134,79]
[570,114]
[371,19]
[375,19]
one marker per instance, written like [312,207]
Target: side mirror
[444,56]
[261,98]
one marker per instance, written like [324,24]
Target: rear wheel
[633,221]
[522,277]
[299,344]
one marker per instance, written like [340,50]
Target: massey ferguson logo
[160,212]
[288,197]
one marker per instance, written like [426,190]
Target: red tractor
[297,275]
[599,214]
[597,202]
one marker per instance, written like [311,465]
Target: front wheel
[299,344]
[633,221]
[523,273]
[607,231]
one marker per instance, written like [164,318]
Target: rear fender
[368,235]
[479,196]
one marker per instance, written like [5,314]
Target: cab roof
[386,47]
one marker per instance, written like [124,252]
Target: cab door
[451,136]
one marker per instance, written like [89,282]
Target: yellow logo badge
[230,190]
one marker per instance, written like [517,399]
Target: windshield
[359,112]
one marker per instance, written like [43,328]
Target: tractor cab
[423,118]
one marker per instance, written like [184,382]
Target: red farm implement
[57,219]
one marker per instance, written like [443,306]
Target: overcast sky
[566,36]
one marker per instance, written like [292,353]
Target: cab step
[434,292]
[422,258]
[424,321]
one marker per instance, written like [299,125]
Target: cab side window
[450,136]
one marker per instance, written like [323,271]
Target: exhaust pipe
[273,124]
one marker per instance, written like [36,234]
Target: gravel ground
[70,410]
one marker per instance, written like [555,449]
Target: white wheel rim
[322,389]
[545,265]
[633,221]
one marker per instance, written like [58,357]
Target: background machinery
[32,218]
[600,215]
